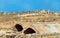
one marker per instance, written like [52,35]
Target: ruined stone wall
[29,22]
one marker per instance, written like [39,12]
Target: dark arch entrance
[29,31]
[18,27]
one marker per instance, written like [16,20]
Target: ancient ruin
[30,24]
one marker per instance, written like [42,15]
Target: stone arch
[29,31]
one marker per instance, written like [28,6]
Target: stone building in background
[40,22]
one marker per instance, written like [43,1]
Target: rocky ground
[41,21]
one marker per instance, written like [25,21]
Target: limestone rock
[41,21]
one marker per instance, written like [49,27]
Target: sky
[23,5]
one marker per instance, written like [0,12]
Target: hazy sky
[22,5]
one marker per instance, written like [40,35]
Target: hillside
[41,21]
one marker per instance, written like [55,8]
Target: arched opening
[18,27]
[29,31]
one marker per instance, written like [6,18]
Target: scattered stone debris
[30,24]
